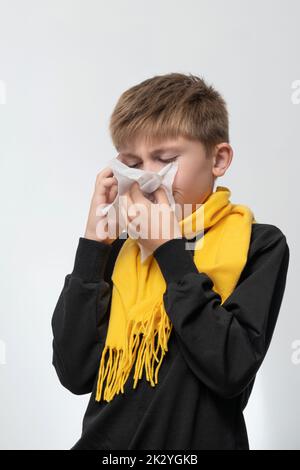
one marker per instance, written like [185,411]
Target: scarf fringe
[119,363]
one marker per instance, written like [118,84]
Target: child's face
[194,180]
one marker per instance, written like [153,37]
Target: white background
[63,64]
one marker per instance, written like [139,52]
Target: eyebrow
[153,152]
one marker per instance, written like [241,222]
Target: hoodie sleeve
[224,345]
[80,319]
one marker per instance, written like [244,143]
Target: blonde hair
[169,106]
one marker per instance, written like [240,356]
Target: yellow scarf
[137,295]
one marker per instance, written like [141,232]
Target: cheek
[185,179]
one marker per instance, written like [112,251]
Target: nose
[151,166]
[149,185]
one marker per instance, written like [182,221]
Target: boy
[212,310]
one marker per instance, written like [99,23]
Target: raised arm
[224,345]
[80,318]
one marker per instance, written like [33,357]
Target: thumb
[161,196]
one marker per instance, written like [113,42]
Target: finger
[127,204]
[103,174]
[112,193]
[136,193]
[109,181]
[122,212]
[131,211]
[138,197]
[106,171]
[104,184]
[161,196]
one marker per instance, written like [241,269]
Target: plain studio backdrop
[63,65]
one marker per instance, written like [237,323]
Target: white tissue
[149,181]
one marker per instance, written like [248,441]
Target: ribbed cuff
[90,260]
[174,259]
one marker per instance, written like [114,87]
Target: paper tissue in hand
[149,181]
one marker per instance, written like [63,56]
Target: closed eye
[164,161]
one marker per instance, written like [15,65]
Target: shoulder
[268,244]
[268,252]
[266,235]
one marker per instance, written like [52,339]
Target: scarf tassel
[119,364]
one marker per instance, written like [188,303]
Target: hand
[151,223]
[106,189]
